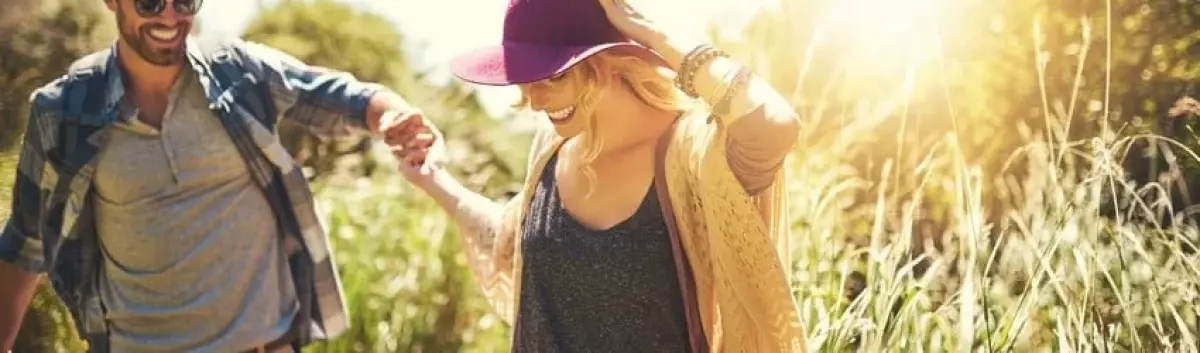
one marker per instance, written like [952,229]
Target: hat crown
[558,22]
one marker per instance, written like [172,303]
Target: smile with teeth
[165,34]
[561,114]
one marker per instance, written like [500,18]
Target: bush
[38,40]
[403,272]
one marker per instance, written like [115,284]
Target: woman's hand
[636,26]
[417,145]
[630,22]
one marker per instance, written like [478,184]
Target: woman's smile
[561,116]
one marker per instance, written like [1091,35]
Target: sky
[437,26]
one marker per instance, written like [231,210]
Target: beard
[139,39]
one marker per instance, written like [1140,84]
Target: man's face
[155,29]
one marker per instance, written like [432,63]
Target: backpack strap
[683,269]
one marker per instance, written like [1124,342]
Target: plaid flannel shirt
[249,86]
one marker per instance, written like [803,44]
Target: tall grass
[1072,259]
[403,272]
[1075,263]
[1076,260]
[1054,274]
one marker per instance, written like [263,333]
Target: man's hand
[416,143]
[15,294]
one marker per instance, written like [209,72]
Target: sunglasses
[152,8]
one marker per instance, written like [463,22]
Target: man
[153,191]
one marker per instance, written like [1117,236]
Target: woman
[645,223]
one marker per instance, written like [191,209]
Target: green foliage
[964,66]
[961,186]
[334,35]
[404,273]
[38,40]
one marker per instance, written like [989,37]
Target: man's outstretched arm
[326,102]
[22,258]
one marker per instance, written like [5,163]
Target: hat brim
[517,63]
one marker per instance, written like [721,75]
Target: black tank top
[597,291]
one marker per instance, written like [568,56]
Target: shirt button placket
[165,139]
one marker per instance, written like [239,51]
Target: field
[974,176]
[907,270]
[937,204]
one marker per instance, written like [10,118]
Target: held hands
[416,143]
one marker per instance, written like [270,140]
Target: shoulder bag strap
[683,269]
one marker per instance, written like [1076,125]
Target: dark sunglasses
[151,8]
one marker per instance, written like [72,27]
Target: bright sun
[896,27]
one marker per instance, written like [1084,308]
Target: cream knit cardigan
[736,244]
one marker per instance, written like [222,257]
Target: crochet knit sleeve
[488,244]
[760,141]
[488,231]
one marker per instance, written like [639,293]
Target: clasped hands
[416,143]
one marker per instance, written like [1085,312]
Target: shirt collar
[115,92]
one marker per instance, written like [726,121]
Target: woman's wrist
[437,179]
[710,75]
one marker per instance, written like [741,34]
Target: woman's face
[569,100]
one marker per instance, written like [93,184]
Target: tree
[38,40]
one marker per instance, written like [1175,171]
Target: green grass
[1054,274]
[8,166]
[938,245]
[403,272]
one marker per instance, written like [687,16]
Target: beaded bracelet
[739,83]
[697,64]
[723,84]
[691,56]
[692,63]
[682,79]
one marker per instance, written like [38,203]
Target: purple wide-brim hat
[543,38]
[517,63]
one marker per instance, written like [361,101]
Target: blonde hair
[652,84]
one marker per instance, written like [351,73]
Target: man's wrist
[383,104]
